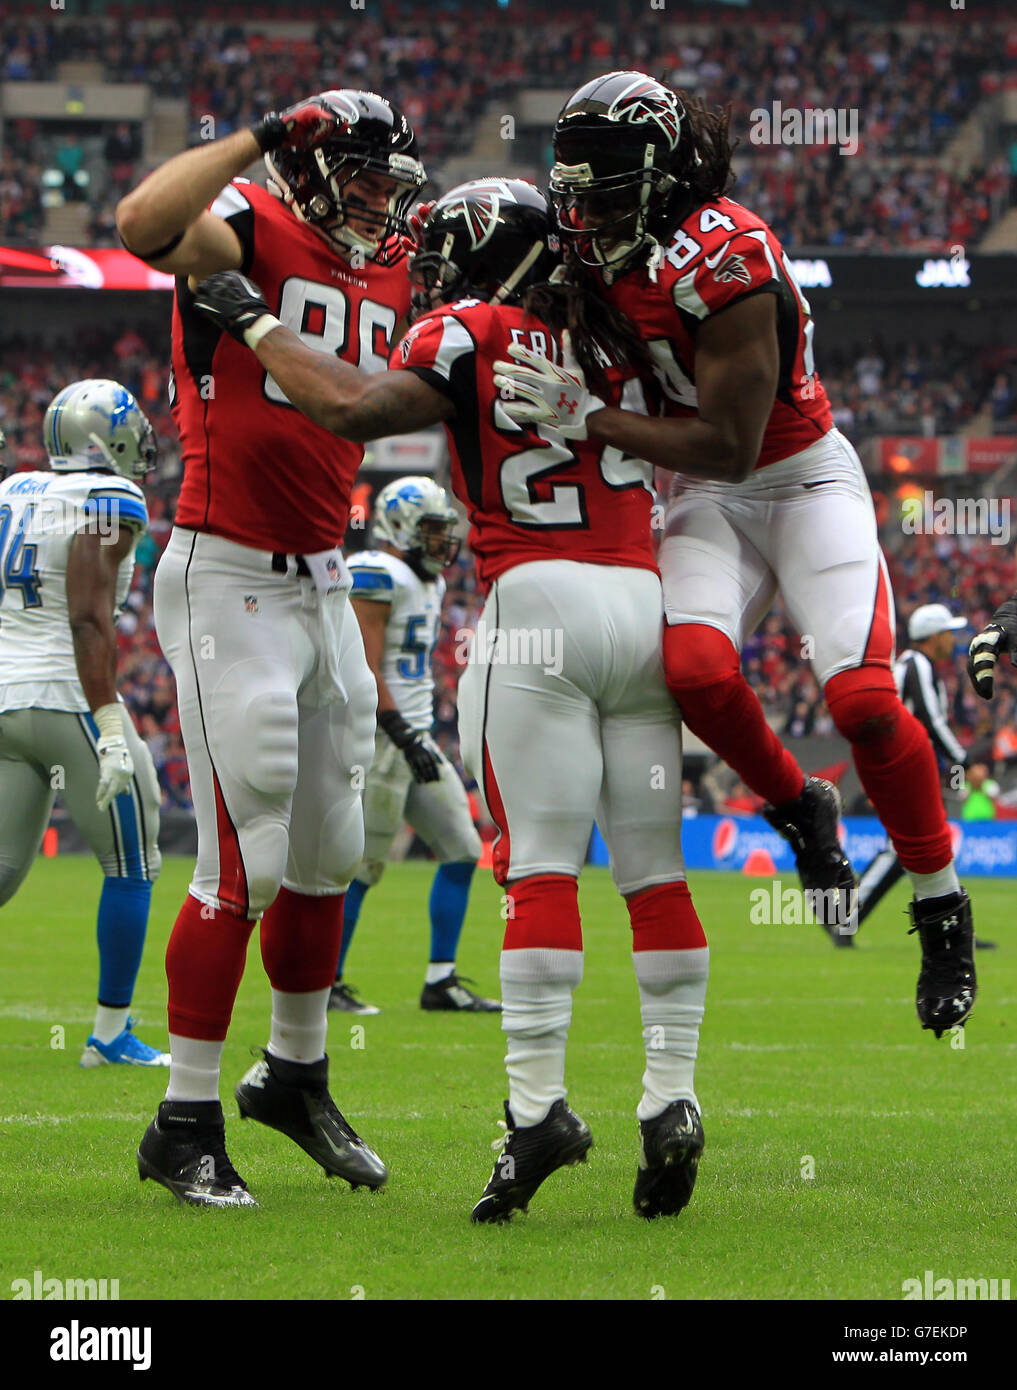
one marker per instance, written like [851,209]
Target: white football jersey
[412,631]
[40,513]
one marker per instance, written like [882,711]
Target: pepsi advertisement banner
[981,848]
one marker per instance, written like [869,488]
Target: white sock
[194,1068]
[672,997]
[936,885]
[439,970]
[110,1023]
[299,1025]
[536,1002]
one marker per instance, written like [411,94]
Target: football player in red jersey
[251,603]
[767,495]
[564,712]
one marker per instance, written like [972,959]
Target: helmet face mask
[618,146]
[373,138]
[415,517]
[98,425]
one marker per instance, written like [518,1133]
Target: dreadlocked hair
[602,336]
[709,173]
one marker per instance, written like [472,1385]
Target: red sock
[543,912]
[205,960]
[664,919]
[300,940]
[896,765]
[717,703]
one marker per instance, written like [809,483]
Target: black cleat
[451,994]
[946,983]
[809,824]
[293,1098]
[342,998]
[668,1161]
[184,1148]
[530,1155]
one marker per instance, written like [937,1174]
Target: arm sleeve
[110,506]
[234,207]
[441,350]
[743,266]
[372,582]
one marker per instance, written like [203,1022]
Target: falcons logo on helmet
[648,100]
[479,212]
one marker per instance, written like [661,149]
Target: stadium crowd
[909,85]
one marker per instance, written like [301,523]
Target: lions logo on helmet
[97,424]
[415,516]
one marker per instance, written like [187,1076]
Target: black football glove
[231,301]
[416,745]
[997,637]
[301,127]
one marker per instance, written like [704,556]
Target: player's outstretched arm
[165,222]
[92,567]
[997,637]
[737,368]
[356,405]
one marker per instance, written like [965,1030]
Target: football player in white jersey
[67,540]
[397,596]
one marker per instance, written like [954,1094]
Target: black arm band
[161,251]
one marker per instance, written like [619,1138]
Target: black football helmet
[372,136]
[623,147]
[487,239]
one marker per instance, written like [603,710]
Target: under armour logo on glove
[536,392]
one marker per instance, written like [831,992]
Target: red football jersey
[530,494]
[722,253]
[256,470]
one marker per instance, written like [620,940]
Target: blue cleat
[125,1049]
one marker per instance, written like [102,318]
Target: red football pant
[896,765]
[703,672]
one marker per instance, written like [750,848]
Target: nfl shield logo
[332,567]
[251,603]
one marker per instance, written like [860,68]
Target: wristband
[261,325]
[110,722]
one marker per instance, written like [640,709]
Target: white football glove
[116,766]
[997,637]
[536,392]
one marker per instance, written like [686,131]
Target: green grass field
[807,1053]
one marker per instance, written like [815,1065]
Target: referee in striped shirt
[930,633]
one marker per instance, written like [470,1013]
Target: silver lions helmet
[415,515]
[98,424]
